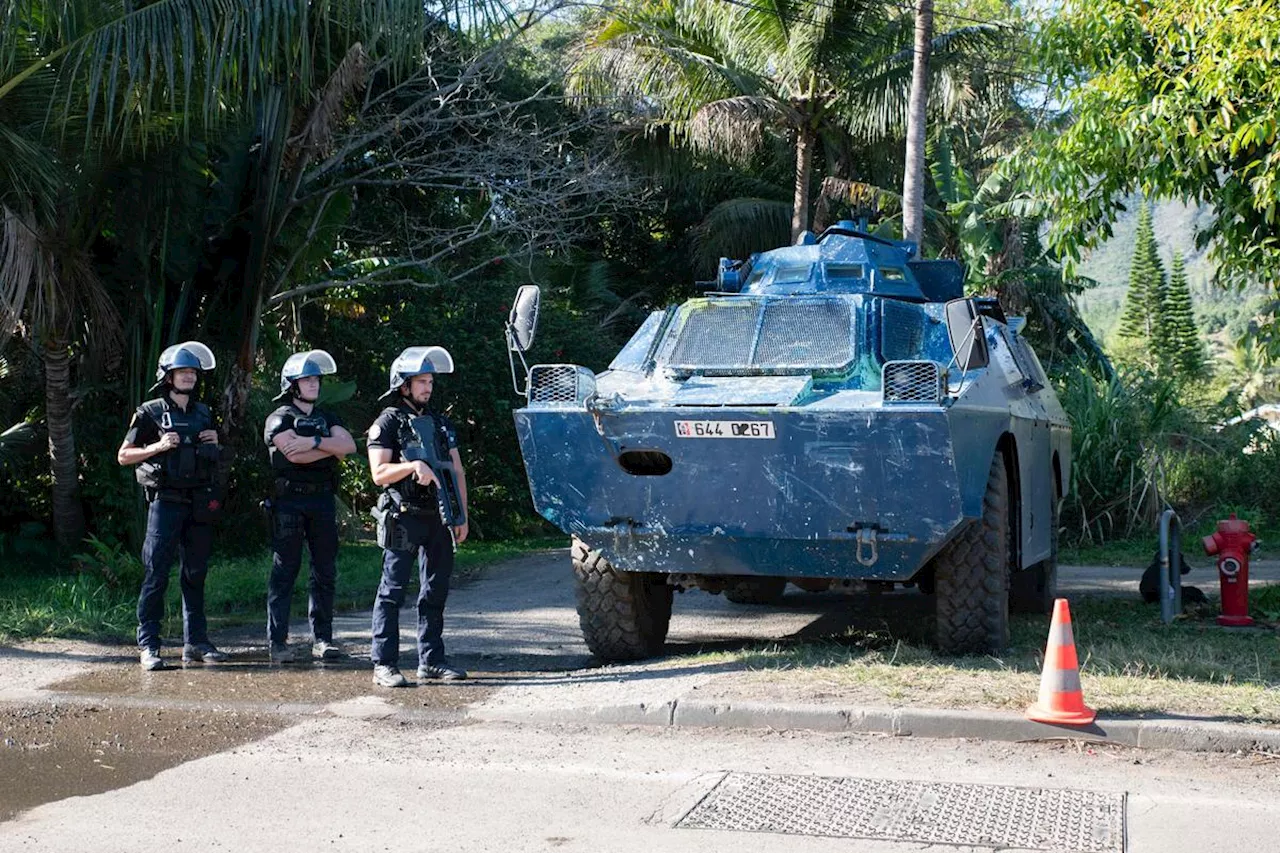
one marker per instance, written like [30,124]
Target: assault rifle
[432,447]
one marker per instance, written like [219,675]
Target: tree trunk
[913,178]
[1005,268]
[235,395]
[68,514]
[805,140]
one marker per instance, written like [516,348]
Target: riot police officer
[305,444]
[173,443]
[413,456]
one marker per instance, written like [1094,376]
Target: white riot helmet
[315,362]
[187,354]
[415,361]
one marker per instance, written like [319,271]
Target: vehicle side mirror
[968,340]
[523,321]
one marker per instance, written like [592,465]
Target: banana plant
[1002,253]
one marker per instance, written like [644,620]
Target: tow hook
[868,552]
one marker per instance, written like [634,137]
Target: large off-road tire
[971,576]
[749,590]
[624,615]
[1033,589]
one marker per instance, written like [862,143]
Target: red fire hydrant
[1232,543]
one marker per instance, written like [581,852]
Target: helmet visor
[188,354]
[417,360]
[317,362]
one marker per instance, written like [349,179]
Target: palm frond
[735,128]
[18,442]
[29,175]
[121,63]
[875,106]
[346,80]
[21,266]
[738,227]
[854,194]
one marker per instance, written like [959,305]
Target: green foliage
[1186,352]
[1120,432]
[728,80]
[1003,254]
[1141,443]
[1143,316]
[1176,99]
[117,568]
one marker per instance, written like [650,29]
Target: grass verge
[1131,665]
[1137,553]
[102,607]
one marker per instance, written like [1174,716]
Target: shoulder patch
[375,431]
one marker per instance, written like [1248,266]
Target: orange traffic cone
[1061,700]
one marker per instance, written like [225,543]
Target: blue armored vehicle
[836,415]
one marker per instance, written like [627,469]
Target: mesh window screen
[716,335]
[901,331]
[794,333]
[805,334]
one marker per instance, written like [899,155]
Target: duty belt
[177,496]
[290,487]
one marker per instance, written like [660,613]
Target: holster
[392,535]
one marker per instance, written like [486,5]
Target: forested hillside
[1223,314]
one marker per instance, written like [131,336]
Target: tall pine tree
[1144,300]
[1186,352]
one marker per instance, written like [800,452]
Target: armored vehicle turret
[836,413]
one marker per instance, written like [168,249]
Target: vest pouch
[206,504]
[180,468]
[148,474]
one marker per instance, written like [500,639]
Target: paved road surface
[348,785]
[189,760]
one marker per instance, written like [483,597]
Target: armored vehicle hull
[811,428]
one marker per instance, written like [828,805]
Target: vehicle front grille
[912,382]
[559,384]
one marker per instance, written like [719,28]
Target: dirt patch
[50,752]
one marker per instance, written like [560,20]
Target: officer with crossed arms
[306,445]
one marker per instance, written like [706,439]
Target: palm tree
[917,130]
[725,76]
[83,82]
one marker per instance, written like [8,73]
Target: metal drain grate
[931,813]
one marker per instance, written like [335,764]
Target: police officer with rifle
[174,444]
[305,444]
[421,514]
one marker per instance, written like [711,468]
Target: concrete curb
[1149,733]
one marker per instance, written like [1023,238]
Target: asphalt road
[352,785]
[250,757]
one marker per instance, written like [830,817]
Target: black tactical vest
[410,490]
[190,465]
[306,426]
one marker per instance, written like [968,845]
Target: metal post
[1170,566]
